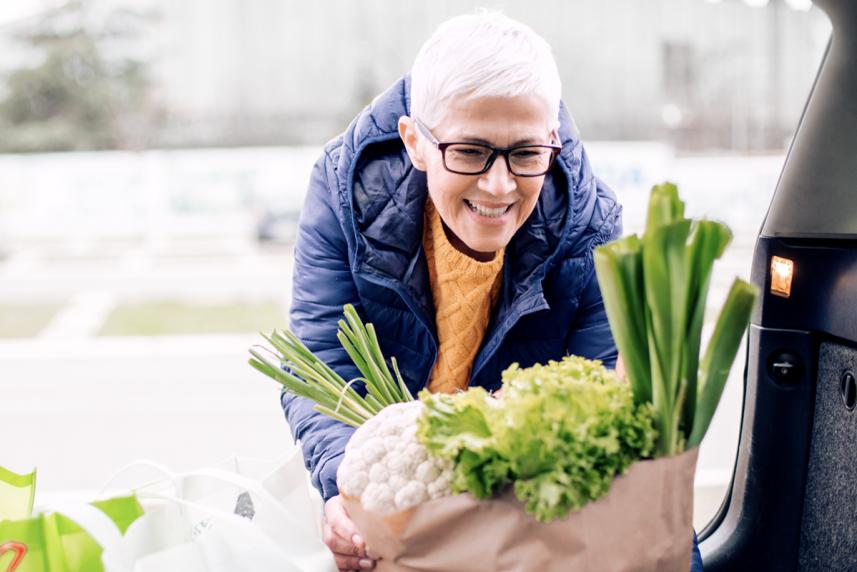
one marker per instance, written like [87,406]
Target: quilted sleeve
[590,334]
[322,285]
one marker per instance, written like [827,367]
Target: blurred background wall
[698,74]
[154,155]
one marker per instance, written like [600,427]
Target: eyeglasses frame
[495,151]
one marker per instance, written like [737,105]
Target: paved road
[80,410]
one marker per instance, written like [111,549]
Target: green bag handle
[16,499]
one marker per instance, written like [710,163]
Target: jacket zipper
[407,299]
[491,347]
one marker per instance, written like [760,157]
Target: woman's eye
[470,152]
[526,154]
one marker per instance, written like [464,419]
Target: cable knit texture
[464,292]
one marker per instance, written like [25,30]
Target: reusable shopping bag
[243,515]
[66,539]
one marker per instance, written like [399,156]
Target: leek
[654,290]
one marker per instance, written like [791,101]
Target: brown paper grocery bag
[644,523]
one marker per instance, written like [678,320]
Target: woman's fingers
[343,527]
[620,368]
[339,545]
[341,536]
[346,563]
[345,553]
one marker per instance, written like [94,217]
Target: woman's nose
[498,180]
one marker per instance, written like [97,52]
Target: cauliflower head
[387,468]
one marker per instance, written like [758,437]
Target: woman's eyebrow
[474,139]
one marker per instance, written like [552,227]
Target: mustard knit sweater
[464,292]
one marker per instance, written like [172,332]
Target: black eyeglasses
[465,158]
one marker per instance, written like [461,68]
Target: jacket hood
[382,200]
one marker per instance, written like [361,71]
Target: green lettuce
[559,435]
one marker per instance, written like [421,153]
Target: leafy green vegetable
[654,292]
[560,434]
[623,261]
[718,357]
[293,365]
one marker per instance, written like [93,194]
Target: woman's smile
[489,214]
[489,210]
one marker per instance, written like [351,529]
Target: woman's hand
[341,536]
[620,368]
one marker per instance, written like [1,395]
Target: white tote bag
[221,520]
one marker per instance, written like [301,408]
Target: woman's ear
[410,137]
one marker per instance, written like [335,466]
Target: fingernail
[357,540]
[366,564]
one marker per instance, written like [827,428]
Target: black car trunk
[793,500]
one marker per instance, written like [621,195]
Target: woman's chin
[485,246]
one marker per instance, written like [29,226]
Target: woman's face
[482,212]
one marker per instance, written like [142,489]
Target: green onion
[289,362]
[654,292]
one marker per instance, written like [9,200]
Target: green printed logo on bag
[51,542]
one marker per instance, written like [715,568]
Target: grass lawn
[171,317]
[25,320]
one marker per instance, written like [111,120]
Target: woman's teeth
[485,211]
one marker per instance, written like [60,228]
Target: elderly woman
[458,213]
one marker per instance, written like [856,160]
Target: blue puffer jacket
[360,242]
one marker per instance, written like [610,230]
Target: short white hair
[485,54]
